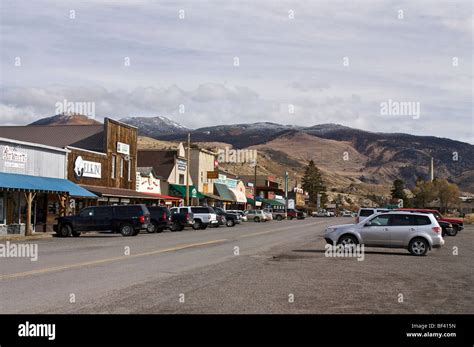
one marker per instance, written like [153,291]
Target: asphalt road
[273,267]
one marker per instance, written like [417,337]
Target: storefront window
[114,159]
[121,167]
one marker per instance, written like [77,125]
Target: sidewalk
[35,236]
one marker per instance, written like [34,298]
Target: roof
[162,161]
[118,192]
[147,170]
[20,182]
[82,136]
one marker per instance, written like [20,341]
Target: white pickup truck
[204,216]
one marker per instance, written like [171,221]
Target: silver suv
[417,232]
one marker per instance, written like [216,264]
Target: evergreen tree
[313,183]
[398,192]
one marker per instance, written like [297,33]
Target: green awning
[250,201]
[180,190]
[224,192]
[272,202]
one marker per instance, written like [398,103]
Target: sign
[14,158]
[84,168]
[291,203]
[123,148]
[181,164]
[211,175]
[250,184]
[194,193]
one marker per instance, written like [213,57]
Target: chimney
[431,170]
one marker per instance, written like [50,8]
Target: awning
[238,195]
[180,190]
[224,192]
[38,184]
[212,196]
[272,202]
[250,201]
[118,193]
[164,197]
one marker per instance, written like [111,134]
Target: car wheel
[197,225]
[348,241]
[126,230]
[452,232]
[152,227]
[175,226]
[76,233]
[256,219]
[204,226]
[230,223]
[65,230]
[418,246]
[279,218]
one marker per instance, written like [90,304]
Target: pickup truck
[231,219]
[204,216]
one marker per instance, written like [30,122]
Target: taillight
[141,219]
[187,216]
[164,216]
[436,229]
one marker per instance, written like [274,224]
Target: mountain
[156,127]
[62,119]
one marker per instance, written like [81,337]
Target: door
[85,220]
[375,231]
[401,227]
[103,218]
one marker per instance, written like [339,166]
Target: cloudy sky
[299,62]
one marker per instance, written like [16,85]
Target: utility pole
[255,184]
[188,164]
[286,193]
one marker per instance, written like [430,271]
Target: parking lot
[273,267]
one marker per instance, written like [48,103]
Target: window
[381,220]
[181,179]
[422,220]
[103,212]
[88,212]
[366,213]
[114,159]
[183,210]
[200,210]
[130,169]
[121,167]
[401,219]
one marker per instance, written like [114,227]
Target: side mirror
[368,224]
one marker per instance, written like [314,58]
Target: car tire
[175,226]
[197,225]
[76,233]
[204,226]
[348,240]
[127,230]
[256,219]
[230,223]
[418,246]
[64,230]
[279,218]
[453,232]
[152,227]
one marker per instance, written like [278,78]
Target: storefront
[179,191]
[148,182]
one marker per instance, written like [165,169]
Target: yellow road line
[106,260]
[281,229]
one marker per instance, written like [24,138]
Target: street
[273,267]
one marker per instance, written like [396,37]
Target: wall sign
[84,168]
[13,157]
[181,164]
[123,148]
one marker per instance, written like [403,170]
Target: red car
[458,223]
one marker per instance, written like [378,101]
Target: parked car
[293,213]
[417,232]
[256,215]
[231,218]
[457,223]
[268,215]
[180,220]
[242,215]
[126,219]
[160,219]
[365,212]
[278,214]
[346,214]
[204,216]
[321,213]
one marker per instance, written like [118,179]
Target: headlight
[330,230]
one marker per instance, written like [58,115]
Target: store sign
[212,175]
[181,164]
[123,148]
[149,184]
[194,193]
[84,168]
[13,157]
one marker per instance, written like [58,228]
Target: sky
[204,63]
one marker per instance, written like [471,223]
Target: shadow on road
[365,252]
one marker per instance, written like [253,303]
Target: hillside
[61,119]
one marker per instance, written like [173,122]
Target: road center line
[280,229]
[107,260]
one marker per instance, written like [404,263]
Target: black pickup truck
[231,219]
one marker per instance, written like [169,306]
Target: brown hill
[61,119]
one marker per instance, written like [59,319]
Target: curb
[26,238]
